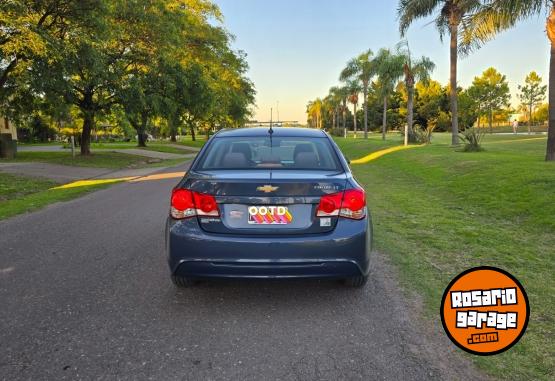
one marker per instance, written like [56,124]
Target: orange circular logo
[485,310]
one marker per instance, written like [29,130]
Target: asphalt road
[85,294]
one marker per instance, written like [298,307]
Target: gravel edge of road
[433,343]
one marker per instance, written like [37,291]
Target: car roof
[278,132]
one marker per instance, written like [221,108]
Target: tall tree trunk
[172,124]
[365,91]
[550,150]
[410,112]
[193,136]
[355,119]
[384,118]
[141,131]
[490,121]
[344,111]
[212,128]
[454,29]
[88,123]
[530,120]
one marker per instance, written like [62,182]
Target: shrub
[473,139]
[423,135]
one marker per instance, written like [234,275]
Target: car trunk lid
[268,193]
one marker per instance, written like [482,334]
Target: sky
[297,48]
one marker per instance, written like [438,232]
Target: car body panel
[309,246]
[196,253]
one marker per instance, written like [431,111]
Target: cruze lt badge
[267,189]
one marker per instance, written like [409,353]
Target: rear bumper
[345,252]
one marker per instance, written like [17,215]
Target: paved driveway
[85,294]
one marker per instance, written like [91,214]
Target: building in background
[8,138]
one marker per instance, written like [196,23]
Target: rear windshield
[263,152]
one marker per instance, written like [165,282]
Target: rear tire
[356,281]
[183,282]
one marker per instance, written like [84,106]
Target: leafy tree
[542,113]
[491,93]
[430,101]
[469,109]
[88,69]
[27,27]
[449,19]
[151,59]
[498,15]
[531,94]
[361,69]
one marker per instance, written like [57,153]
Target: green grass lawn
[160,146]
[99,159]
[168,149]
[187,141]
[438,211]
[20,194]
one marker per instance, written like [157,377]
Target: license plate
[269,215]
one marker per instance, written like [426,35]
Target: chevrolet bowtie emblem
[267,189]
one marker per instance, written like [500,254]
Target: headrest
[306,160]
[303,147]
[243,148]
[234,160]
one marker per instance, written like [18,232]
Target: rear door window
[274,153]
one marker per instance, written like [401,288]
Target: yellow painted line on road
[378,154]
[87,183]
[160,176]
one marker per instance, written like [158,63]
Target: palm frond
[422,68]
[350,70]
[409,11]
[493,17]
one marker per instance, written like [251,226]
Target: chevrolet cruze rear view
[269,203]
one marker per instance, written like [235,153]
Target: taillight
[206,205]
[348,204]
[329,205]
[353,204]
[185,204]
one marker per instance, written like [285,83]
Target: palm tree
[342,94]
[415,70]
[362,69]
[314,111]
[498,15]
[333,102]
[389,70]
[450,18]
[354,91]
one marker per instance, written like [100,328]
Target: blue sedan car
[269,203]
